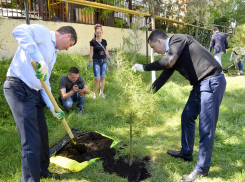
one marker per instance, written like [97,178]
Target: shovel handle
[51,97]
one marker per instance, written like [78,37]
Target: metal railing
[73,11]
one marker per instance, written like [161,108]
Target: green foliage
[118,22]
[134,97]
[224,20]
[230,11]
[4,108]
[105,13]
[202,11]
[239,38]
[203,36]
[88,10]
[238,13]
[133,42]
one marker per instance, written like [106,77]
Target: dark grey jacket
[218,42]
[189,58]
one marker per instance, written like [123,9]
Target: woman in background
[99,54]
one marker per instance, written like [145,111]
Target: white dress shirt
[35,42]
[167,45]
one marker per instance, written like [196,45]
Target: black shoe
[179,154]
[193,176]
[225,70]
[47,174]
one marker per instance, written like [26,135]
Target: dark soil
[99,146]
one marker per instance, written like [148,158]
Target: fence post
[27,12]
[146,39]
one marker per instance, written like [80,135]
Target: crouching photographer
[73,89]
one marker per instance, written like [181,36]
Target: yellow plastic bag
[70,164]
[73,165]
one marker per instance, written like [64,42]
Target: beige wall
[113,36]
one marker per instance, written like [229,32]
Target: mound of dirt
[98,146]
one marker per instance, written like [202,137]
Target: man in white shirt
[26,96]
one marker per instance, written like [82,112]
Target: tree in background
[238,13]
[231,11]
[132,42]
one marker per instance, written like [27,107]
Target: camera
[81,86]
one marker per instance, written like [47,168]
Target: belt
[99,60]
[10,78]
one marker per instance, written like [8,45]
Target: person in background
[73,88]
[238,51]
[219,43]
[99,54]
[26,96]
[185,55]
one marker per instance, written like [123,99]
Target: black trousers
[27,107]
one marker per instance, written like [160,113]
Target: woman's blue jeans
[67,103]
[240,63]
[99,69]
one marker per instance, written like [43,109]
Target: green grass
[156,128]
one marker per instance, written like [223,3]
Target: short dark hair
[74,70]
[157,34]
[215,29]
[68,30]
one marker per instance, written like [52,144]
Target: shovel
[80,147]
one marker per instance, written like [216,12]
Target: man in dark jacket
[197,65]
[219,43]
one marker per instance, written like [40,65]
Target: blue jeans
[99,69]
[240,63]
[204,100]
[67,103]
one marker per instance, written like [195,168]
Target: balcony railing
[58,11]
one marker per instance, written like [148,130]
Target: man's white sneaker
[102,95]
[94,96]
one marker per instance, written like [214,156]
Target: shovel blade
[80,147]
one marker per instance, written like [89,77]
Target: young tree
[136,103]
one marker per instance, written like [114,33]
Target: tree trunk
[196,33]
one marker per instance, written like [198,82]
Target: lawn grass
[157,131]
